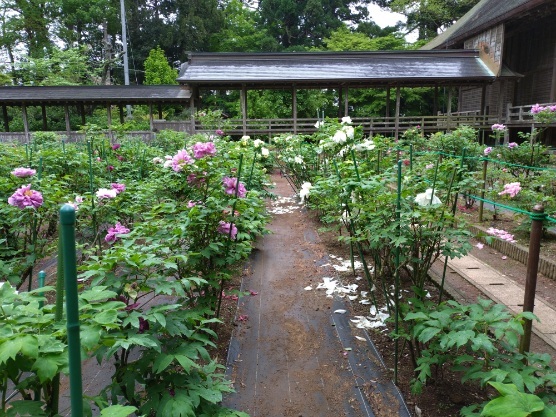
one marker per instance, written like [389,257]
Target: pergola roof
[113,94]
[330,69]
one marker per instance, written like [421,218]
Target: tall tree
[240,32]
[307,22]
[428,17]
[158,70]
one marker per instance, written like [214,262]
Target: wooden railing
[11,137]
[521,115]
[273,127]
[371,125]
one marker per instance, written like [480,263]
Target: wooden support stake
[537,218]
[397,112]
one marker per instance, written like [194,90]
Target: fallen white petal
[308,288]
[361,338]
[340,311]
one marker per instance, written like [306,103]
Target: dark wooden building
[517,39]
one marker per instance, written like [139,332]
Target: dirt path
[291,355]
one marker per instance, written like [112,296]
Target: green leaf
[428,334]
[46,368]
[118,411]
[25,409]
[417,315]
[185,362]
[108,318]
[98,293]
[512,403]
[161,362]
[212,396]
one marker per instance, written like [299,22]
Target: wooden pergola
[340,70]
[80,96]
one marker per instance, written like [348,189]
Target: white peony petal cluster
[366,145]
[424,199]
[305,190]
[339,137]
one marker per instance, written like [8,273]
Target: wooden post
[109,120]
[243,99]
[6,119]
[537,218]
[435,101]
[553,86]
[449,104]
[159,111]
[121,108]
[67,118]
[346,102]
[82,111]
[25,122]
[151,121]
[294,108]
[387,106]
[340,99]
[483,100]
[44,123]
[397,111]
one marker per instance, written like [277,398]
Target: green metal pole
[42,276]
[482,203]
[67,222]
[58,314]
[397,274]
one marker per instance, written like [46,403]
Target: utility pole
[124,42]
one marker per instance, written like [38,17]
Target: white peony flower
[350,131]
[424,199]
[346,120]
[340,137]
[298,159]
[265,152]
[319,123]
[366,145]
[305,190]
[258,143]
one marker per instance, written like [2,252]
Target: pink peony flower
[106,193]
[498,127]
[219,132]
[118,187]
[181,159]
[536,109]
[512,145]
[230,185]
[511,189]
[225,227]
[110,168]
[487,150]
[191,203]
[202,149]
[24,172]
[25,197]
[113,232]
[429,166]
[116,146]
[75,204]
[501,234]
